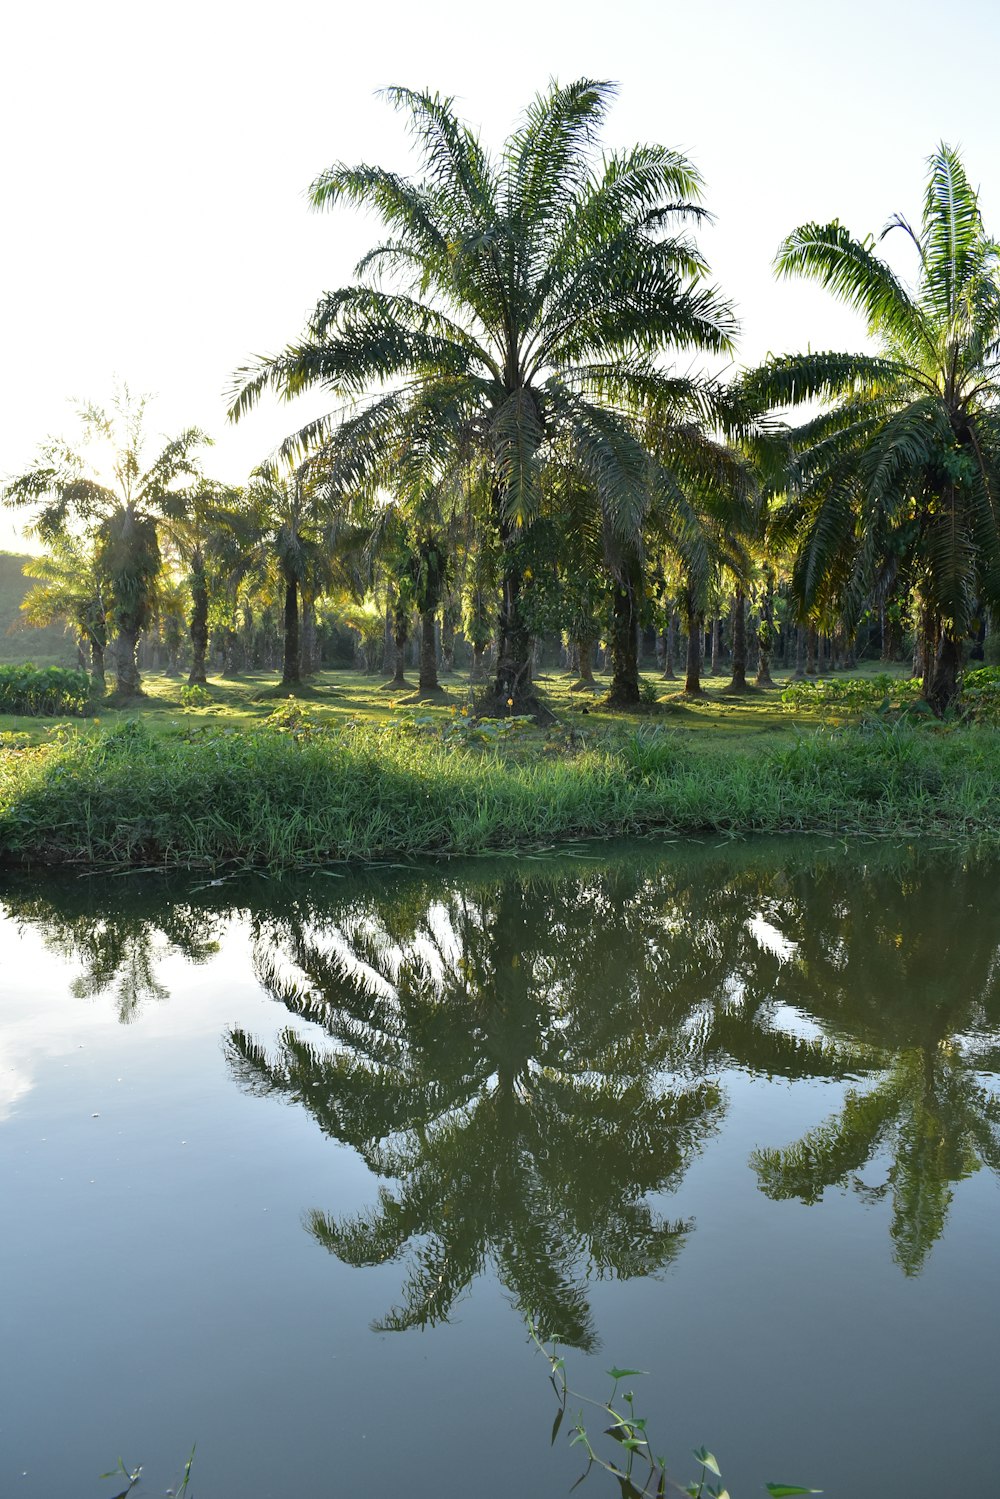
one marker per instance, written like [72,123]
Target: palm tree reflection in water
[524,1060]
[519,1079]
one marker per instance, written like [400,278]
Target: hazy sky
[155,158]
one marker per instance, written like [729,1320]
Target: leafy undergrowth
[294,791]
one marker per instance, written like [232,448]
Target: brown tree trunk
[765,635]
[97,668]
[478,671]
[308,646]
[198,625]
[390,656]
[713,670]
[670,653]
[291,666]
[400,635]
[583,650]
[800,653]
[429,686]
[511,691]
[739,678]
[624,692]
[692,679]
[943,693]
[128,681]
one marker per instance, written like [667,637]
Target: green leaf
[708,1461]
[781,1490]
[557,1423]
[625,1373]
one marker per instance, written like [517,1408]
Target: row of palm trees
[508,402]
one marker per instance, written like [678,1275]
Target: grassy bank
[304,794]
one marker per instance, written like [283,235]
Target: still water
[287,1168]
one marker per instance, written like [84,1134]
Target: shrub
[881,691]
[981,694]
[193,695]
[43,692]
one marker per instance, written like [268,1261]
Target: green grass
[336,697]
[355,778]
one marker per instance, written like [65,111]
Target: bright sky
[156,156]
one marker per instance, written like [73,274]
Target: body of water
[290,1167]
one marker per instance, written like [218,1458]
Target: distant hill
[48,647]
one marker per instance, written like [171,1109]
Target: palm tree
[279,531]
[197,520]
[536,292]
[107,486]
[69,587]
[903,468]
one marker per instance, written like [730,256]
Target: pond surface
[288,1167]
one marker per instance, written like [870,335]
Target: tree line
[536,433]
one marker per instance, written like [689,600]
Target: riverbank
[289,793]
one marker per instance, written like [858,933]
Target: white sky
[155,158]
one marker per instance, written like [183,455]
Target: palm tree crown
[901,473]
[532,293]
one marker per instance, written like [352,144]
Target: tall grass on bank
[263,797]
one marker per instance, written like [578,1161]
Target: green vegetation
[43,692]
[635,1466]
[314,782]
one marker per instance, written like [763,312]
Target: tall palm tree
[534,293]
[107,485]
[903,467]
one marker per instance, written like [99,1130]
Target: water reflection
[500,1051]
[117,934]
[905,979]
[527,1060]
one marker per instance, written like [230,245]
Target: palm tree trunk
[400,635]
[811,652]
[97,668]
[583,650]
[713,670]
[428,684]
[670,652]
[800,653]
[512,684]
[478,671]
[624,692]
[291,668]
[308,644]
[199,622]
[230,649]
[739,678]
[390,656]
[511,692]
[692,678]
[129,683]
[765,634]
[942,692]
